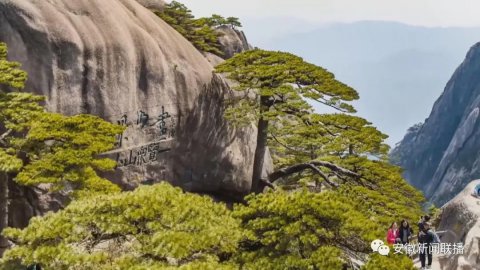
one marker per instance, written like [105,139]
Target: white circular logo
[383,250]
[376,244]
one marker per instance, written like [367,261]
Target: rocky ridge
[440,156]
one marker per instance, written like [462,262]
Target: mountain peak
[441,157]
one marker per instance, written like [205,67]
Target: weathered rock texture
[152,4]
[232,40]
[460,219]
[441,155]
[117,60]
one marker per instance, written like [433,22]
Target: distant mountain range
[399,70]
[441,156]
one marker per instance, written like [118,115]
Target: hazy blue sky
[416,12]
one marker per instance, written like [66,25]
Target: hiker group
[425,236]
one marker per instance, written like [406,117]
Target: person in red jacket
[392,234]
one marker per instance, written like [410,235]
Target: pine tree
[341,155]
[199,32]
[233,22]
[294,226]
[38,147]
[10,77]
[301,230]
[282,83]
[321,137]
[64,152]
[391,262]
[217,20]
[376,189]
[10,74]
[153,227]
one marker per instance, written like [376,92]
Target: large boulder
[460,223]
[232,41]
[117,60]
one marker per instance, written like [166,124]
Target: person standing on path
[405,232]
[392,234]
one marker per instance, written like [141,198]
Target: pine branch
[286,146]
[5,135]
[324,101]
[314,166]
[324,176]
[267,183]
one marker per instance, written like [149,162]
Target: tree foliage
[63,151]
[339,155]
[160,227]
[353,144]
[153,227]
[285,81]
[40,147]
[10,74]
[281,85]
[233,22]
[301,230]
[217,20]
[392,262]
[333,188]
[50,148]
[199,32]
[295,140]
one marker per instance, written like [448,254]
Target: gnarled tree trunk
[3,210]
[260,150]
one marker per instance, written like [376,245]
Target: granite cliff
[117,60]
[440,156]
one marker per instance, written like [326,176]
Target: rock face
[441,155]
[460,219]
[117,60]
[233,41]
[152,4]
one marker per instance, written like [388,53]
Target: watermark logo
[380,247]
[433,248]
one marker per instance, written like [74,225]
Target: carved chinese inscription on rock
[141,156]
[146,136]
[119,138]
